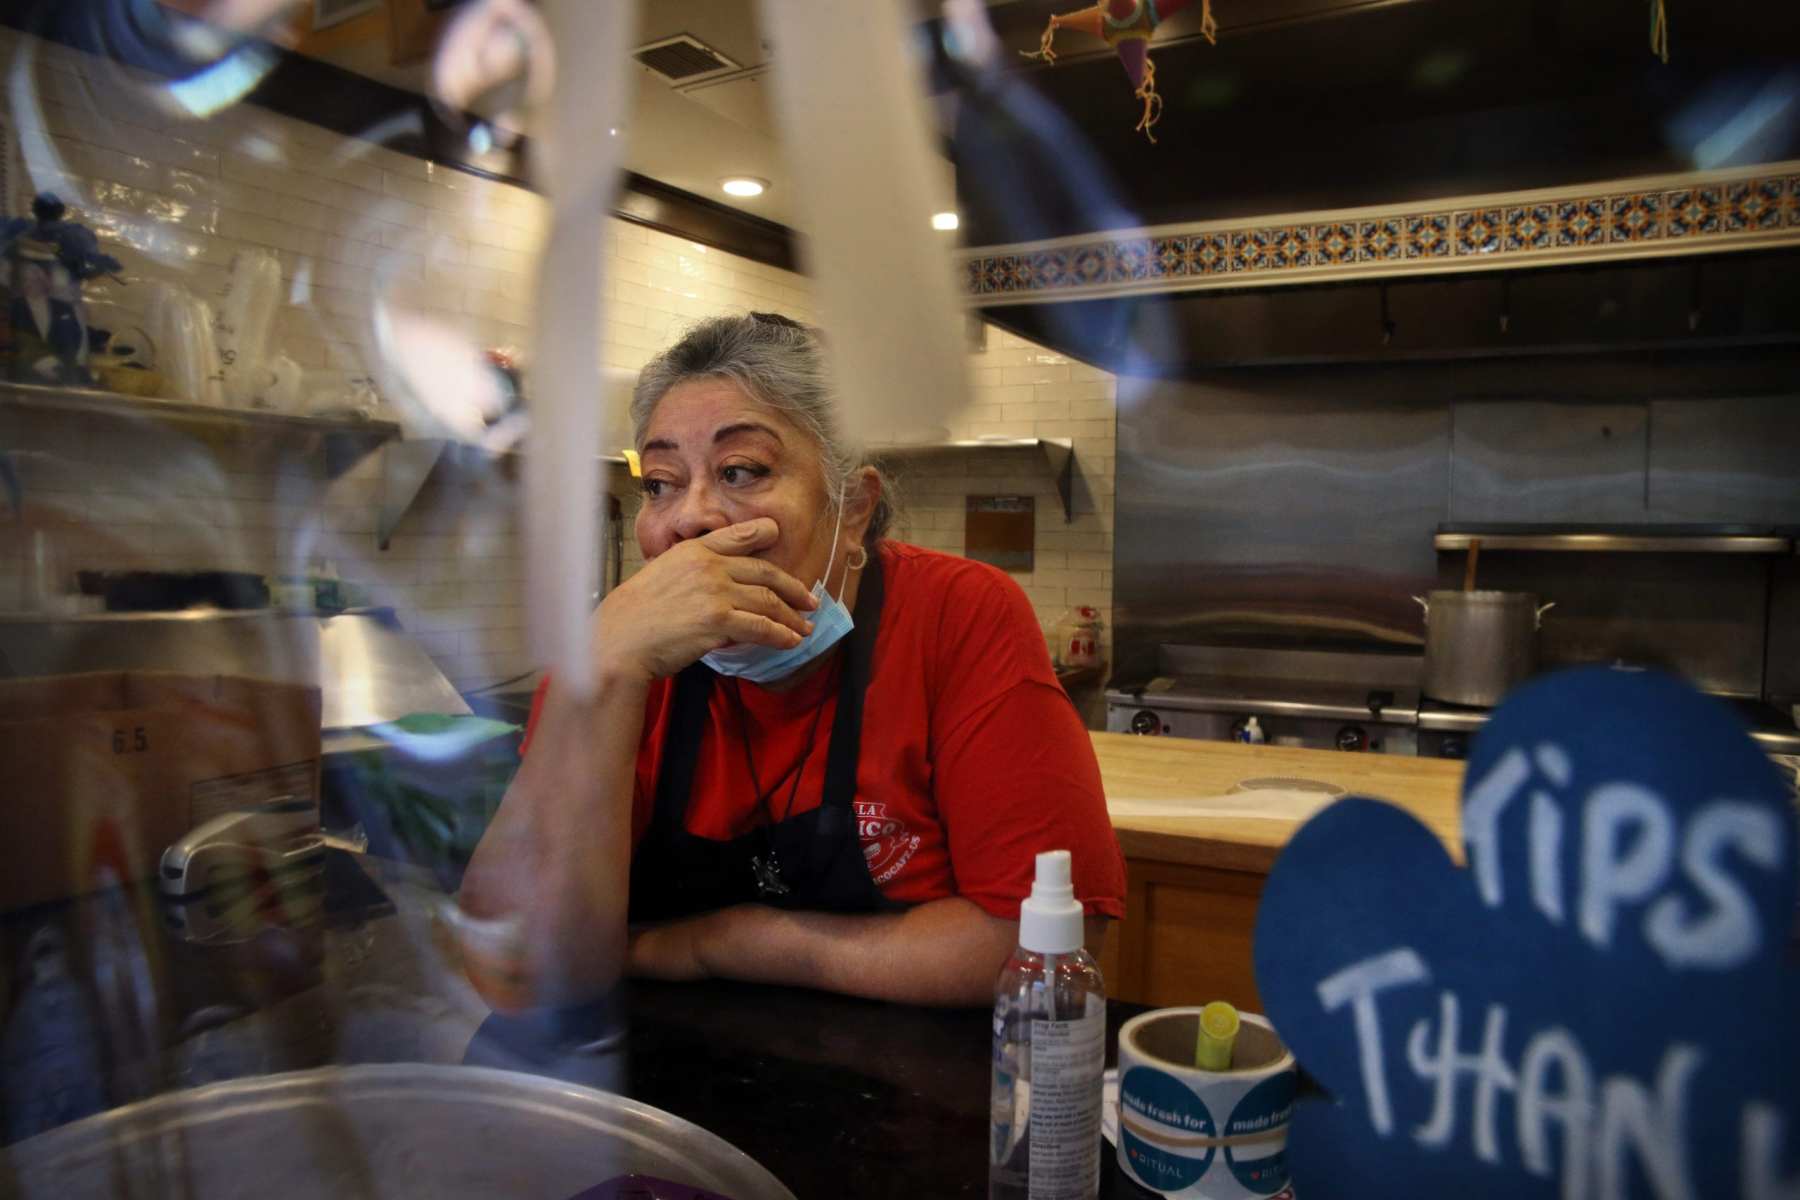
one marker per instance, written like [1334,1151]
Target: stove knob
[1352,738]
[1146,722]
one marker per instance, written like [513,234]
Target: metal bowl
[387,1130]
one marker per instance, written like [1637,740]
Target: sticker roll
[1197,1134]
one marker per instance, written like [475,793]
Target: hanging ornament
[1127,26]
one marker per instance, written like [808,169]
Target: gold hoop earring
[856,564]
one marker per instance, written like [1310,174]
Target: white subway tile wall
[354,225]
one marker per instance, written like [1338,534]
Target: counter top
[835,1096]
[1137,769]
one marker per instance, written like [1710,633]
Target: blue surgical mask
[830,621]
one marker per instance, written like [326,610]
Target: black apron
[676,873]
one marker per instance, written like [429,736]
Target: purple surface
[645,1187]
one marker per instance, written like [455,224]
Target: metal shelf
[406,465]
[33,397]
[1058,455]
[1650,541]
[347,439]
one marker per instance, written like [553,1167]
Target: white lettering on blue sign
[1602,1135]
[1486,1067]
[1546,857]
[1625,851]
[1730,934]
[1764,1131]
[1357,986]
[1481,820]
[1629,848]
[1572,1107]
[1554,762]
[1656,1129]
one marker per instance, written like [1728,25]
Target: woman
[823,758]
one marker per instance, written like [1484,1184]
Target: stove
[1322,700]
[1334,700]
[1445,730]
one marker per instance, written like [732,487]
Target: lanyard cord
[762,798]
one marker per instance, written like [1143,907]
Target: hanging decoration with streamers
[1127,26]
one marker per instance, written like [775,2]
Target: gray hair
[780,363]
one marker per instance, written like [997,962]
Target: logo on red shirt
[886,842]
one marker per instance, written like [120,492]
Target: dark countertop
[835,1096]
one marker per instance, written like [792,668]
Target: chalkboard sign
[1602,1004]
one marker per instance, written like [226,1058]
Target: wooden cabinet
[1186,936]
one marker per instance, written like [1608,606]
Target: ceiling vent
[683,59]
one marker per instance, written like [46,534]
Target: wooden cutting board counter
[1193,882]
[1164,768]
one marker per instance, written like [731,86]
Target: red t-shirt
[972,760]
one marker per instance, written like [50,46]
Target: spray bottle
[1049,1051]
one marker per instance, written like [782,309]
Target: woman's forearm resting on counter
[946,952]
[556,860]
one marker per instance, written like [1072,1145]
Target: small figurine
[1128,26]
[46,260]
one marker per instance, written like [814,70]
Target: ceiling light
[945,221]
[744,185]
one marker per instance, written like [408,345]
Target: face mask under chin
[831,622]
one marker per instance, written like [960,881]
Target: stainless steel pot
[1479,645]
[394,1129]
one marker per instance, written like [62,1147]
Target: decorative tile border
[1701,213]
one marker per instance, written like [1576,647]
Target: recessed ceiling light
[744,185]
[944,220]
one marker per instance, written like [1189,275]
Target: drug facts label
[1067,1060]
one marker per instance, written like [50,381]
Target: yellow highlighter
[1218,1033]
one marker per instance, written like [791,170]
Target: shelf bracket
[1059,457]
[343,450]
[405,466]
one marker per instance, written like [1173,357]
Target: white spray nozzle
[1052,880]
[1050,920]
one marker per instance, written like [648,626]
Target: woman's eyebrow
[725,432]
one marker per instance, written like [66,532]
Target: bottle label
[1068,1059]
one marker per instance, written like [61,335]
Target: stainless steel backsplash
[1296,507]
